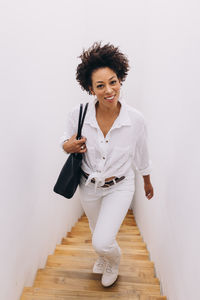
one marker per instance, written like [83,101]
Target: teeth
[110,98]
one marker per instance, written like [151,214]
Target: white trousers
[106,209]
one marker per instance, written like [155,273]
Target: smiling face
[106,86]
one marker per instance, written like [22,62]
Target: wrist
[65,145]
[146,179]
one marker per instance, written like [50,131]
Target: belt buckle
[106,185]
[111,182]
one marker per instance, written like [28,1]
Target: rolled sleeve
[141,160]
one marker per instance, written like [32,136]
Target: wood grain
[68,271]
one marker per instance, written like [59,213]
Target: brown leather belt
[107,183]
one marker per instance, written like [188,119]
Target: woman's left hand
[148,190]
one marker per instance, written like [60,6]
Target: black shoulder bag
[70,174]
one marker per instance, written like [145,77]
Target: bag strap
[81,120]
[84,114]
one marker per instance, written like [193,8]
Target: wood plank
[61,260]
[64,250]
[120,237]
[70,284]
[91,276]
[52,294]
[124,270]
[68,272]
[127,246]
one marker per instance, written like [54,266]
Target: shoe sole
[96,272]
[107,286]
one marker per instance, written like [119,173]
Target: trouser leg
[113,209]
[90,201]
[91,209]
[106,210]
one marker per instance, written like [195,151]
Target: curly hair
[98,56]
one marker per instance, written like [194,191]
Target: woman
[114,140]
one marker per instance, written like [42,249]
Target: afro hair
[98,56]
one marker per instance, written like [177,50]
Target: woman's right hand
[75,146]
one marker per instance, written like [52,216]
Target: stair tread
[68,272]
[52,294]
[63,260]
[91,276]
[63,250]
[124,270]
[88,237]
[93,284]
[125,242]
[127,246]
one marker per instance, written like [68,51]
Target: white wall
[37,89]
[41,41]
[170,101]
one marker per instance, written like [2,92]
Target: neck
[108,111]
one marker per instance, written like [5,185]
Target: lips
[109,98]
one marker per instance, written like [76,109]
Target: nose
[108,89]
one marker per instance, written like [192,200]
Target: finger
[81,141]
[82,146]
[150,195]
[83,150]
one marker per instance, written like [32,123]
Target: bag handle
[81,119]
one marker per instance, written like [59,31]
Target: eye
[113,82]
[99,86]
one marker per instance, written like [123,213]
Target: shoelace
[109,268]
[101,262]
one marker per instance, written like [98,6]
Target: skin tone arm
[148,187]
[75,146]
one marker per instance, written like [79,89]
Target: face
[106,86]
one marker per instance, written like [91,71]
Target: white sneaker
[99,265]
[110,273]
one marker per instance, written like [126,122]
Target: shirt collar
[122,120]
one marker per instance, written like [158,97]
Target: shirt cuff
[147,170]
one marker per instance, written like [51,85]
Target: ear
[91,91]
[120,81]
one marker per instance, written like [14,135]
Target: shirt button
[103,157]
[107,141]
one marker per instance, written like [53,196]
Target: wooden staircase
[68,272]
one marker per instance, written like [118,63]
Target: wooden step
[81,233]
[120,237]
[126,245]
[49,294]
[68,272]
[58,273]
[124,269]
[92,283]
[65,250]
[85,250]
[72,263]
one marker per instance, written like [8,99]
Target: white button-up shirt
[122,150]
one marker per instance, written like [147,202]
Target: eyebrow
[102,81]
